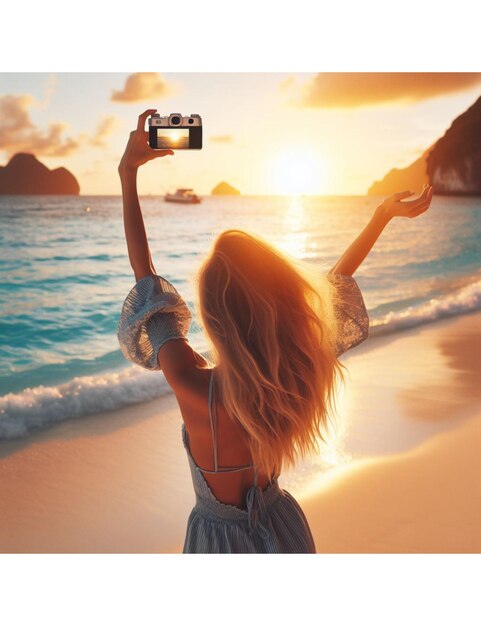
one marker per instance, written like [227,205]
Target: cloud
[19,134]
[351,90]
[105,128]
[221,138]
[49,90]
[142,86]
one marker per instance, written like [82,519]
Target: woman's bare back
[232,449]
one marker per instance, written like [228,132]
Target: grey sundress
[272,521]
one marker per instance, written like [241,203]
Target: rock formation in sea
[224,189]
[25,175]
[452,165]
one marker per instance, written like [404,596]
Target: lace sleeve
[152,314]
[350,311]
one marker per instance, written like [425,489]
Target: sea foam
[463,300]
[34,408]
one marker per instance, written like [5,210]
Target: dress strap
[212,429]
[214,426]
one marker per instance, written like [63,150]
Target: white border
[214,35]
[240,589]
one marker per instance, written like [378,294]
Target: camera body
[175,132]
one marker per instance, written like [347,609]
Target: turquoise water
[64,273]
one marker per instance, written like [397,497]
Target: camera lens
[175,120]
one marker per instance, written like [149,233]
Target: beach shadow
[460,345]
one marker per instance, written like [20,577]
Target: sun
[175,136]
[299,172]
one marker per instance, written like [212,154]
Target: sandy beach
[407,481]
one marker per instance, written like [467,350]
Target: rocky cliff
[25,175]
[452,165]
[412,177]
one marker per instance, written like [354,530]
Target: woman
[269,393]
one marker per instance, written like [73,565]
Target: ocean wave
[34,408]
[463,300]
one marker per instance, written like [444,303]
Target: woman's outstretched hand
[138,151]
[397,206]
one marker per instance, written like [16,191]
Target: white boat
[184,196]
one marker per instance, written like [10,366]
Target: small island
[25,175]
[224,189]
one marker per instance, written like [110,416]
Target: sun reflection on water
[294,237]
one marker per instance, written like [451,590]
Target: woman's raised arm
[391,207]
[136,154]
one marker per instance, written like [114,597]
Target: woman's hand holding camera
[395,207]
[138,151]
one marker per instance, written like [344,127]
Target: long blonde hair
[270,320]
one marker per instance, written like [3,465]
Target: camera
[175,132]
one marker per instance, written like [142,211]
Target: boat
[184,196]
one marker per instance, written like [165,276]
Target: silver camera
[175,132]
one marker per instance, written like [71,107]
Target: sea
[65,272]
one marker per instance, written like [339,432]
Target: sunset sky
[263,133]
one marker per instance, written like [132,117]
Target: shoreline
[119,481]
